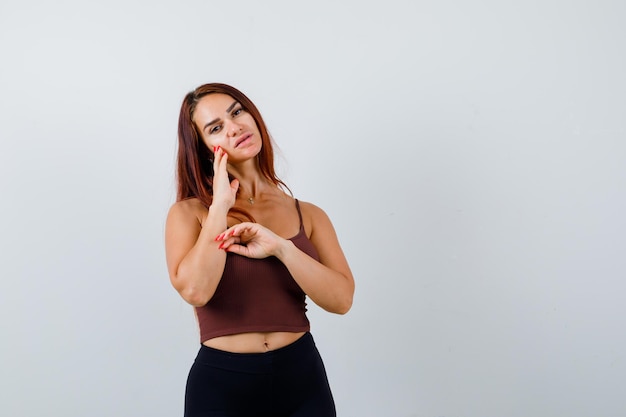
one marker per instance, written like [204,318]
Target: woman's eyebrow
[231,106]
[227,111]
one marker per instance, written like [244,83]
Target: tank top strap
[299,214]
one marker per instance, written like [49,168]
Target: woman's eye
[237,112]
[214,129]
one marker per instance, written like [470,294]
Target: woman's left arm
[328,283]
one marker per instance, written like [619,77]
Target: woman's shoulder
[312,214]
[309,208]
[189,207]
[318,227]
[188,204]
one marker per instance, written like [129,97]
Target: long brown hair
[194,166]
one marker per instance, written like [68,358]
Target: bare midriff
[256,342]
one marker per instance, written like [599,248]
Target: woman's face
[223,122]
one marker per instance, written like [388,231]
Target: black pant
[287,382]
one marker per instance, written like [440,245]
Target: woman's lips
[242,139]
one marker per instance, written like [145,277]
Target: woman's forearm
[330,289]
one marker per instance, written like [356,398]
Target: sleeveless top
[257,295]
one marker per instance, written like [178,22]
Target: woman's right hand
[224,191]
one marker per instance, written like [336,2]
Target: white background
[471,155]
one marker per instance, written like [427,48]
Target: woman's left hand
[250,240]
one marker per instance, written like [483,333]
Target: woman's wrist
[219,207]
[283,248]
[218,212]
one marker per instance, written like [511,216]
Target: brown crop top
[257,295]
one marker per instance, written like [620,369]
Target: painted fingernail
[232,232]
[221,246]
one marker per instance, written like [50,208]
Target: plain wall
[471,155]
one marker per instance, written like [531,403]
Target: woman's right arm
[194,260]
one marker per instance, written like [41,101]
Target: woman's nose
[233,128]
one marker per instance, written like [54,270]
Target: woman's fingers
[220,159]
[223,188]
[240,234]
[249,239]
[231,241]
[235,231]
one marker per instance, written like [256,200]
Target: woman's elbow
[191,294]
[195,298]
[345,307]
[342,306]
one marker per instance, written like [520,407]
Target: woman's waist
[253,342]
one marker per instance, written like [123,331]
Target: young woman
[246,254]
